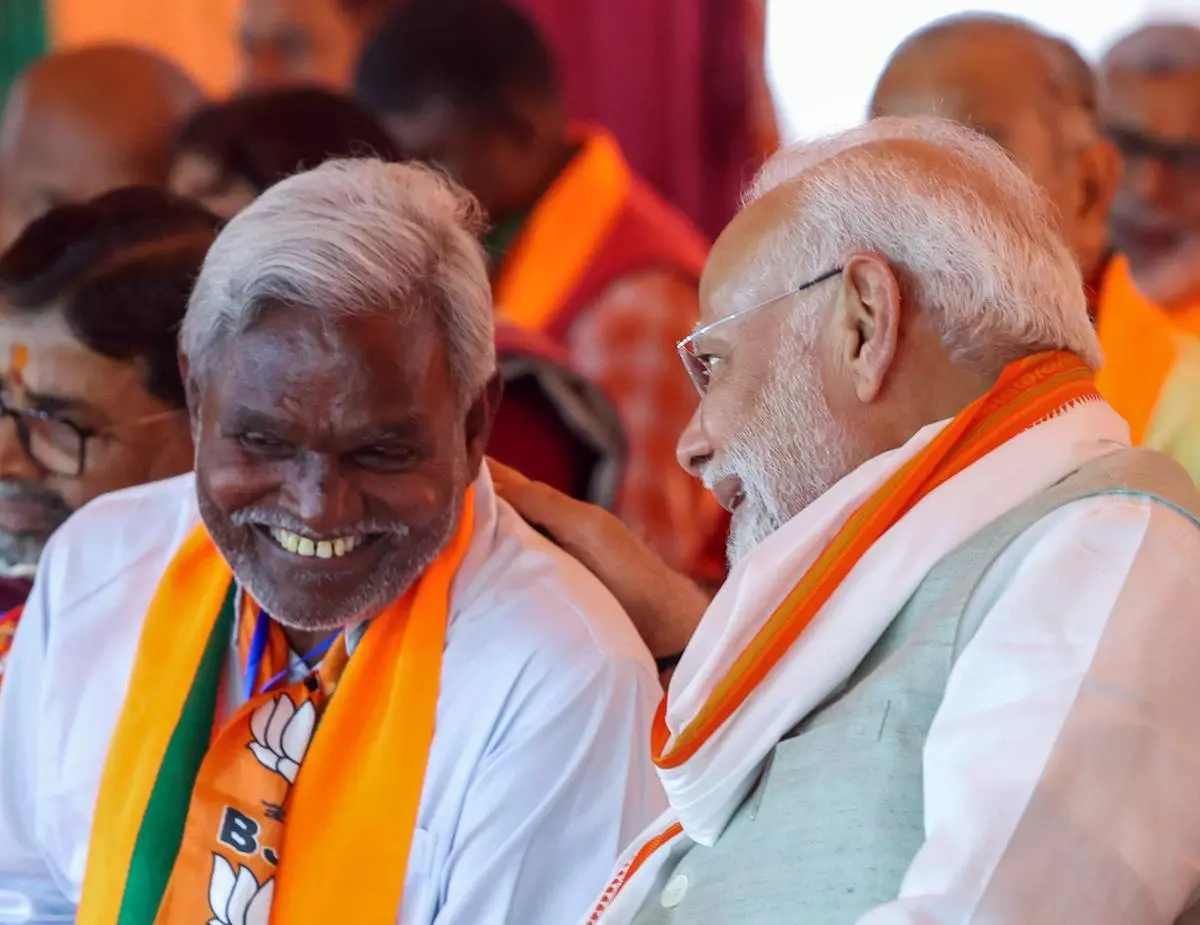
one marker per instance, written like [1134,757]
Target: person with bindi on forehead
[91,400]
[328,677]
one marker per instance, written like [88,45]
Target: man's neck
[555,162]
[304,641]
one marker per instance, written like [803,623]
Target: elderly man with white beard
[951,677]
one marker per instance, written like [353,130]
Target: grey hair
[352,237]
[973,240]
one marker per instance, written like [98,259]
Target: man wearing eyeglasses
[91,400]
[951,676]
[1150,311]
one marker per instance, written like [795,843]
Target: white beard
[790,452]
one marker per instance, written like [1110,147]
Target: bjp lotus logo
[281,734]
[238,899]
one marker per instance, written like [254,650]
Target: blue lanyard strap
[258,648]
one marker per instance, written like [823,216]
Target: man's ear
[1100,168]
[868,313]
[480,417]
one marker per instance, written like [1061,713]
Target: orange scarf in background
[564,233]
[1141,344]
[302,807]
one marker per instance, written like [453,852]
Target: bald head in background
[1150,104]
[1032,93]
[82,122]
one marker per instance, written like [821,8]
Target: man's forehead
[734,276]
[54,361]
[1166,105]
[299,343]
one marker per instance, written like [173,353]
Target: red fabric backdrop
[680,84]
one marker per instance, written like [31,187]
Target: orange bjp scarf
[301,808]
[564,233]
[1027,392]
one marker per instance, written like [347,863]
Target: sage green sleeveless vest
[838,813]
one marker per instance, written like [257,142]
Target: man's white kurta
[1061,772]
[538,776]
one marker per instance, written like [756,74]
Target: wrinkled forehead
[361,361]
[745,265]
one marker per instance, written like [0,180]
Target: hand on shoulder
[664,605]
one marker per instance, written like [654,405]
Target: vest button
[673,892]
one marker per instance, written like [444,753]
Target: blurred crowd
[554,166]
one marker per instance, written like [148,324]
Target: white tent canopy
[823,58]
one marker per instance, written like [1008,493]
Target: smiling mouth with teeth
[310,548]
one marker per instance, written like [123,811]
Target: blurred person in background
[91,299]
[1150,314]
[229,153]
[680,83]
[1035,95]
[1031,93]
[553,424]
[79,123]
[289,42]
[329,677]
[581,249]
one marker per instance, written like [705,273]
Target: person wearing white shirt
[952,675]
[329,677]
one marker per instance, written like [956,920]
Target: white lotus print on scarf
[238,899]
[282,734]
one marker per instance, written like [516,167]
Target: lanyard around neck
[258,648]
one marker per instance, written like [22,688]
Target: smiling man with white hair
[329,677]
[951,677]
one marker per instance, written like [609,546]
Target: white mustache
[280,520]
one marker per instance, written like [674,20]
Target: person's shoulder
[116,532]
[1126,543]
[531,602]
[1129,516]
[139,514]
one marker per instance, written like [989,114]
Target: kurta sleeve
[1061,769]
[27,885]
[564,787]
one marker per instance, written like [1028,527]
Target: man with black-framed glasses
[91,297]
